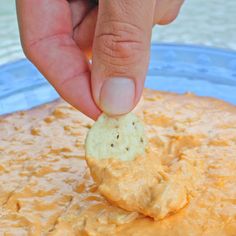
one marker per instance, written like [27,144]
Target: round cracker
[120,138]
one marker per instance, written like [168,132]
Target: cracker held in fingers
[121,138]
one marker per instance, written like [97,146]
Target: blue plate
[177,68]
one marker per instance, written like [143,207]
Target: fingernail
[117,96]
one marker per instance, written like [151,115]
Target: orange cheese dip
[46,187]
[145,185]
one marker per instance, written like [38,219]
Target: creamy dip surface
[46,187]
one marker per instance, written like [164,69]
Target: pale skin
[58,36]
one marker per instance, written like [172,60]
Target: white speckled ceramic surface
[202,22]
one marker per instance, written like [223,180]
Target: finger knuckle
[26,47]
[121,43]
[29,48]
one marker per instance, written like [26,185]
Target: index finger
[46,34]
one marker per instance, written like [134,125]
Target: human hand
[57,35]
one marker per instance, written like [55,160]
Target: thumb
[121,53]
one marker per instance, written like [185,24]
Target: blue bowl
[174,68]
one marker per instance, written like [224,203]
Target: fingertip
[77,92]
[169,17]
[117,96]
